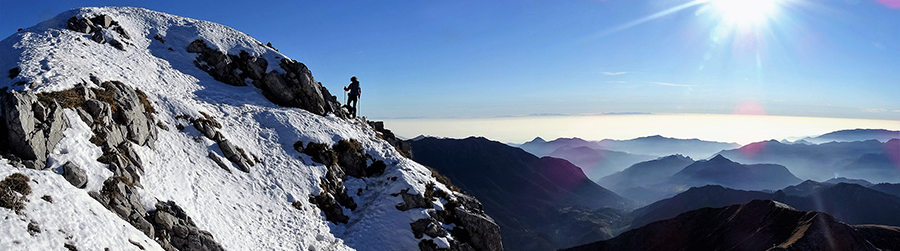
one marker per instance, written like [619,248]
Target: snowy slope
[243,211]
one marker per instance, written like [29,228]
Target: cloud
[896,110]
[617,73]
[874,110]
[616,82]
[671,84]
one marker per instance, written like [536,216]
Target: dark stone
[74,174]
[404,147]
[427,226]
[121,31]
[215,158]
[117,44]
[80,25]
[47,198]
[102,20]
[98,37]
[159,38]
[411,201]
[298,146]
[14,72]
[33,228]
[321,153]
[236,155]
[351,158]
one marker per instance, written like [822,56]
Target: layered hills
[528,196]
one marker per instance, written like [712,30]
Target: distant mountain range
[855,135]
[647,182]
[871,160]
[529,197]
[597,163]
[754,225]
[605,157]
[722,171]
[662,146]
[850,203]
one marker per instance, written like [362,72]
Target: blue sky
[463,59]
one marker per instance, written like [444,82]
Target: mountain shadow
[849,203]
[527,196]
[754,225]
[634,181]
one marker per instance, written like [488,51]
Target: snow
[73,218]
[243,211]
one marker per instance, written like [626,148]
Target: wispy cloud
[614,73]
[896,110]
[671,84]
[874,110]
[616,82]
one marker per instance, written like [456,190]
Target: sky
[494,59]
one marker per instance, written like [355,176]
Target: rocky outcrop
[402,146]
[472,229]
[207,126]
[32,128]
[177,231]
[74,174]
[119,196]
[294,88]
[97,27]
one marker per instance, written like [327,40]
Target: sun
[745,12]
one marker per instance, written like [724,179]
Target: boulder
[484,232]
[74,174]
[427,226]
[411,201]
[80,25]
[236,155]
[102,20]
[351,158]
[29,137]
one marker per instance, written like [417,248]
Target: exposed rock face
[74,174]
[32,128]
[295,88]
[402,146]
[120,197]
[176,231]
[95,26]
[207,125]
[473,229]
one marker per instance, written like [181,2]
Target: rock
[351,157]
[411,201]
[177,230]
[30,138]
[80,25]
[164,219]
[102,20]
[236,155]
[215,158]
[98,37]
[118,45]
[14,72]
[427,226]
[74,174]
[484,232]
[321,153]
[121,31]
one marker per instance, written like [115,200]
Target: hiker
[353,97]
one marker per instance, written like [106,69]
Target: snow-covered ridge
[266,208]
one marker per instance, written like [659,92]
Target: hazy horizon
[731,128]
